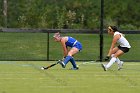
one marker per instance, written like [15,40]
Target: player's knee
[112,55]
[69,54]
[115,56]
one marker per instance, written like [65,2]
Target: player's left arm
[114,41]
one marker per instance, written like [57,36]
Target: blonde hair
[56,34]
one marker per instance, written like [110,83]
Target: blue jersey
[73,43]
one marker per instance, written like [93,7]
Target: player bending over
[115,52]
[66,42]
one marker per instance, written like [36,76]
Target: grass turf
[27,77]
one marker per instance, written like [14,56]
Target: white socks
[117,59]
[113,59]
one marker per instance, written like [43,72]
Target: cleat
[120,65]
[103,66]
[62,64]
[119,68]
[74,68]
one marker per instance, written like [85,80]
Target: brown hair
[114,28]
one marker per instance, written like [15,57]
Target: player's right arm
[114,41]
[65,50]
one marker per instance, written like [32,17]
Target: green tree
[74,14]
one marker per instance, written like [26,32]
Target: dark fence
[94,31]
[41,46]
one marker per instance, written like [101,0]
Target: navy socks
[70,58]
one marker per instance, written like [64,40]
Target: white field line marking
[97,63]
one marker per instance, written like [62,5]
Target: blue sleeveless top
[72,42]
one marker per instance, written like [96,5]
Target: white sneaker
[120,65]
[104,67]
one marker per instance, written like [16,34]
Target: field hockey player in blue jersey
[75,47]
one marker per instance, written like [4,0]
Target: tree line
[70,14]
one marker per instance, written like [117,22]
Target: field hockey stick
[45,68]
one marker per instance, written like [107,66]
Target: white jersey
[122,41]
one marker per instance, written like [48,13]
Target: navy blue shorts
[124,49]
[78,45]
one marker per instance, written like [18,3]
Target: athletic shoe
[74,68]
[120,65]
[62,64]
[103,66]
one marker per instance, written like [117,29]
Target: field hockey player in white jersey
[115,52]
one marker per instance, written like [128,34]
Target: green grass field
[27,77]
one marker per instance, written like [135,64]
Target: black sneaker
[74,68]
[62,64]
[103,66]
